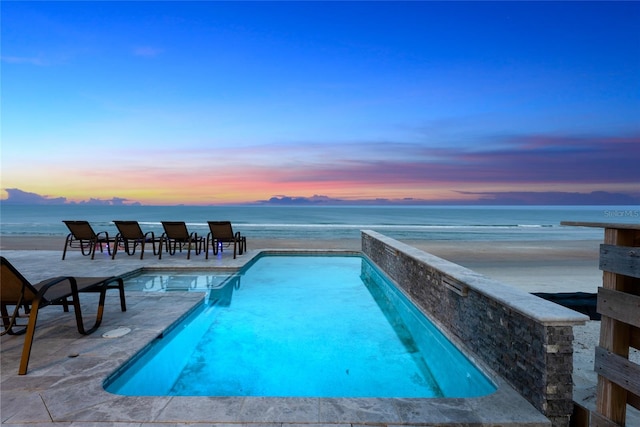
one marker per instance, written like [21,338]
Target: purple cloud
[557,198]
[115,201]
[16,196]
[19,197]
[557,159]
[554,198]
[519,159]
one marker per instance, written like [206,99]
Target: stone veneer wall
[526,340]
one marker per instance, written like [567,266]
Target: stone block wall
[526,340]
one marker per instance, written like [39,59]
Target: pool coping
[62,389]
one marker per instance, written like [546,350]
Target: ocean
[481,223]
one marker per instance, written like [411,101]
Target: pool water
[303,326]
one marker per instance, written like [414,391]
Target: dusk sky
[235,102]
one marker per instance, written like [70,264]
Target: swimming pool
[303,326]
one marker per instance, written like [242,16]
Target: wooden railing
[619,305]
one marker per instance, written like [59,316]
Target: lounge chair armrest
[43,287]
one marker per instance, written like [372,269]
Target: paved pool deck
[63,386]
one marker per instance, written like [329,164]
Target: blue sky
[233,102]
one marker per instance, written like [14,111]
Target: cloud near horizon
[20,197]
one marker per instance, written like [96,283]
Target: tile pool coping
[63,389]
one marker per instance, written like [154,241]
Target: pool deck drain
[62,390]
[117,332]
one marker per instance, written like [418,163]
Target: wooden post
[619,304]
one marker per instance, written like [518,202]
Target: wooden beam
[618,369]
[634,339]
[620,259]
[619,306]
[599,420]
[633,400]
[579,416]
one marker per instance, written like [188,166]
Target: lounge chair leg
[28,339]
[7,321]
[78,312]
[120,287]
[83,247]
[67,243]
[115,249]
[123,301]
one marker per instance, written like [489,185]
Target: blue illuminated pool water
[303,326]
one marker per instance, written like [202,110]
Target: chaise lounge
[18,292]
[130,236]
[176,235]
[82,236]
[221,234]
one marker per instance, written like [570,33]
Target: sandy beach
[534,266]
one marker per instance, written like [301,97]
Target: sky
[208,103]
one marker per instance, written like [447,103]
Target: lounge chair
[130,236]
[16,291]
[221,234]
[176,235]
[82,236]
